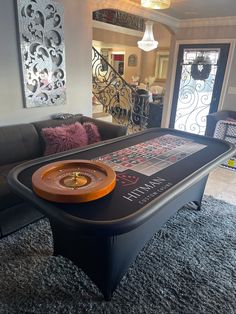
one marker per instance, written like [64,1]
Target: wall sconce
[148,42]
[155,4]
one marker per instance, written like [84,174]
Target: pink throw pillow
[92,132]
[65,137]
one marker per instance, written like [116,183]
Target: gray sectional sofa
[23,142]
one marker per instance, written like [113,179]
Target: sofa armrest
[213,118]
[106,129]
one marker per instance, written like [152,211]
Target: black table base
[105,259]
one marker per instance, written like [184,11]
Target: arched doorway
[149,68]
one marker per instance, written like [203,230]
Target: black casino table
[157,172]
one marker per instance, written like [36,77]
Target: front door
[198,83]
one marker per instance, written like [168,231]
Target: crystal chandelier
[148,42]
[155,4]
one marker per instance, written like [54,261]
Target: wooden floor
[221,184]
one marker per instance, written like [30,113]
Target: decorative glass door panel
[197,89]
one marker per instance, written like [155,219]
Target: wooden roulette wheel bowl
[73,181]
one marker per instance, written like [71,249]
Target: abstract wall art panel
[42,50]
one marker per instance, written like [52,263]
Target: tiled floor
[221,184]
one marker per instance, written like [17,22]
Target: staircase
[98,112]
[114,99]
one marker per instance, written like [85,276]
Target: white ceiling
[195,9]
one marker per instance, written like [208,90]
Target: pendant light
[148,42]
[156,4]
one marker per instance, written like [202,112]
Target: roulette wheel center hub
[75,180]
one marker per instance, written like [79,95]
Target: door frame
[172,73]
[219,76]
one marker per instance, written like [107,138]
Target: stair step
[97,108]
[102,116]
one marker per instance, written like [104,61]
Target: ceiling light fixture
[148,42]
[156,4]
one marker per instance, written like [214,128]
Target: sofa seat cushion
[65,137]
[7,197]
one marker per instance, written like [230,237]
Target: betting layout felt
[151,156]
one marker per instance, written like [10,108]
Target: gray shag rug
[187,267]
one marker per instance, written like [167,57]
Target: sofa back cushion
[18,143]
[65,137]
[92,132]
[39,125]
[107,130]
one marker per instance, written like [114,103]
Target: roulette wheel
[73,181]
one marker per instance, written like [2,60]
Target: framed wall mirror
[162,61]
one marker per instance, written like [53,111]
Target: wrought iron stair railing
[122,101]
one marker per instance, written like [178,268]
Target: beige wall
[111,38]
[130,70]
[207,32]
[163,36]
[148,64]
[78,29]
